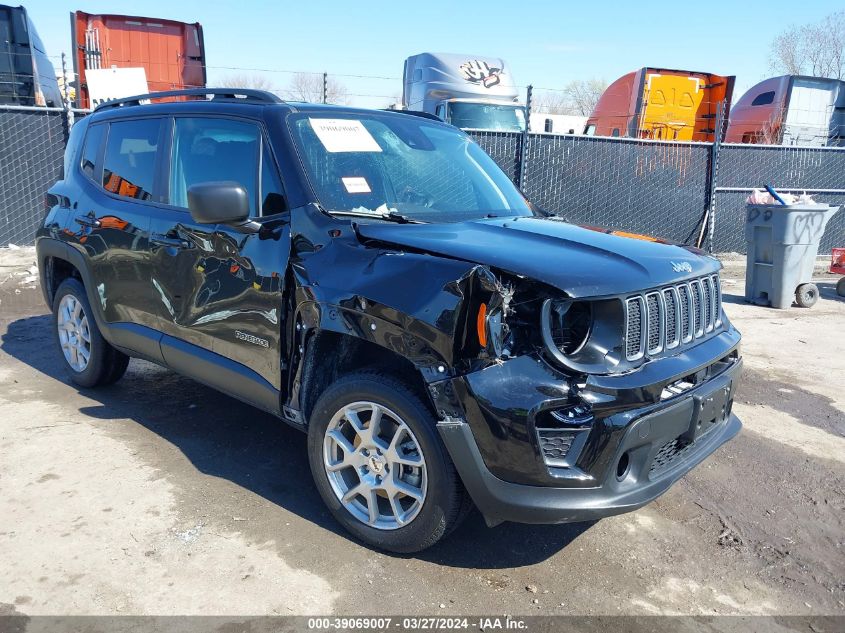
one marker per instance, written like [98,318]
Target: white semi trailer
[469,91]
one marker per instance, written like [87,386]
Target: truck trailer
[171,53]
[790,110]
[27,77]
[659,103]
[468,91]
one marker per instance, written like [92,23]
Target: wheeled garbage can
[782,244]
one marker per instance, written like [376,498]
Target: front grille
[555,444]
[673,316]
[633,337]
[668,454]
[671,302]
[697,316]
[654,323]
[686,325]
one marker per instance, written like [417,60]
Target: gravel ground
[160,496]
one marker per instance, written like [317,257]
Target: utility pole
[325,87]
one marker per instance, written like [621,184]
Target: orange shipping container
[171,53]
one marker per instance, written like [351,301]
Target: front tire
[380,466]
[88,357]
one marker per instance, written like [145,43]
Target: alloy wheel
[375,465]
[74,333]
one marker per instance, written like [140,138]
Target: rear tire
[840,287]
[396,521]
[806,295]
[89,359]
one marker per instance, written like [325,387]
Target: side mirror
[224,202]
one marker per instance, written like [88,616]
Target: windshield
[379,165]
[486,116]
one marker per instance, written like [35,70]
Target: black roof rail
[419,113]
[244,95]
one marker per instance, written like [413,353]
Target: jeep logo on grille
[681,267]
[249,338]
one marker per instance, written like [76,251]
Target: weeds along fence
[685,192]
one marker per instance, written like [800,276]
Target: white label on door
[344,135]
[356,185]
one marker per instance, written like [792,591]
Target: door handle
[169,241]
[88,220]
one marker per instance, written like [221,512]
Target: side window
[209,150]
[764,98]
[590,130]
[91,150]
[130,160]
[272,194]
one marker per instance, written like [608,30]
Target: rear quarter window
[88,162]
[129,164]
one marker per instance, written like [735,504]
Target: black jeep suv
[374,279]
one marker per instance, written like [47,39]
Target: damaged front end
[554,406]
[551,393]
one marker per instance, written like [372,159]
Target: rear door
[670,104]
[111,221]
[809,112]
[219,290]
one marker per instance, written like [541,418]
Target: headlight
[566,327]
[584,336]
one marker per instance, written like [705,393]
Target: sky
[546,43]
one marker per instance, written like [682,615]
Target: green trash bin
[782,244]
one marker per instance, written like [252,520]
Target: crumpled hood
[579,261]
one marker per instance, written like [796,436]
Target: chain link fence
[819,171]
[664,188]
[640,186]
[32,142]
[658,188]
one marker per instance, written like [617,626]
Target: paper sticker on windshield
[344,135]
[356,185]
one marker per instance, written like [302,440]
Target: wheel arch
[329,355]
[56,262]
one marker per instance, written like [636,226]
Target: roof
[230,100]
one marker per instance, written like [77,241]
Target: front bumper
[638,447]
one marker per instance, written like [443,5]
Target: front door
[219,291]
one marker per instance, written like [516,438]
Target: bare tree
[247,80]
[816,49]
[551,102]
[578,97]
[309,87]
[583,95]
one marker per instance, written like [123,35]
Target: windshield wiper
[390,216]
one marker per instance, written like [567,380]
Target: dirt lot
[161,496]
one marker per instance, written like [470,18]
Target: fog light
[576,415]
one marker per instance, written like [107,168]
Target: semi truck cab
[468,91]
[476,114]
